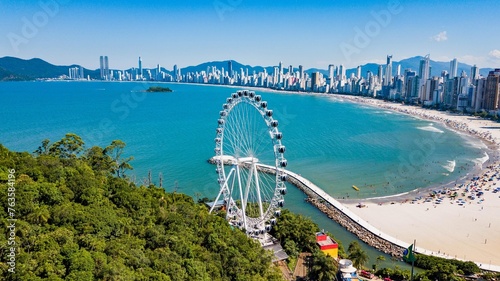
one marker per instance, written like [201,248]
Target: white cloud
[494,54]
[441,36]
[473,60]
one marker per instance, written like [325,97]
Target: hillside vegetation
[79,218]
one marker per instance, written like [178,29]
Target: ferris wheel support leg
[243,207]
[216,199]
[224,187]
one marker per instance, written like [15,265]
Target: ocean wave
[482,160]
[450,166]
[431,128]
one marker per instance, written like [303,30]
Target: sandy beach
[460,221]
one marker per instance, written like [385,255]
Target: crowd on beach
[464,193]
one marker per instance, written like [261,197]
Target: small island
[158,89]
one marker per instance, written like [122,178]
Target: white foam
[482,160]
[336,99]
[431,128]
[450,166]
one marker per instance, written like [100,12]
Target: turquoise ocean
[332,142]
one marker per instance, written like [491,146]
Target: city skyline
[298,33]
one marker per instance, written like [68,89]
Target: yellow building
[327,245]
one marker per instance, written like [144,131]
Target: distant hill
[6,75]
[35,68]
[412,63]
[15,69]
[225,64]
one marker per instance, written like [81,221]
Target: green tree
[68,147]
[98,160]
[377,262]
[323,267]
[358,257]
[297,228]
[115,151]
[44,148]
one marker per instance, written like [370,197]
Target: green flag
[408,255]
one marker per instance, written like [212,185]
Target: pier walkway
[311,187]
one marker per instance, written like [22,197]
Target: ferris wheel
[250,163]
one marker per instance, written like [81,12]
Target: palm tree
[358,257]
[378,261]
[323,267]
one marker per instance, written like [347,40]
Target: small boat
[355,188]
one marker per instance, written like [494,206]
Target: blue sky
[311,33]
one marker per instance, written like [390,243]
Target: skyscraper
[341,73]
[315,81]
[276,75]
[424,73]
[424,70]
[358,72]
[453,68]
[230,68]
[491,91]
[474,73]
[101,66]
[158,72]
[379,73]
[176,73]
[331,68]
[411,85]
[301,72]
[388,71]
[106,68]
[140,68]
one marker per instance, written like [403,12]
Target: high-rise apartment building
[491,91]
[104,68]
[453,68]
[140,68]
[388,71]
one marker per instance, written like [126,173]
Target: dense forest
[79,218]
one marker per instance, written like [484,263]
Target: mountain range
[16,69]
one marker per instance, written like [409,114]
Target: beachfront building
[347,272]
[492,92]
[327,245]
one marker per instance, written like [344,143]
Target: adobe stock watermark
[121,107]
[363,37]
[32,25]
[408,167]
[224,6]
[11,225]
